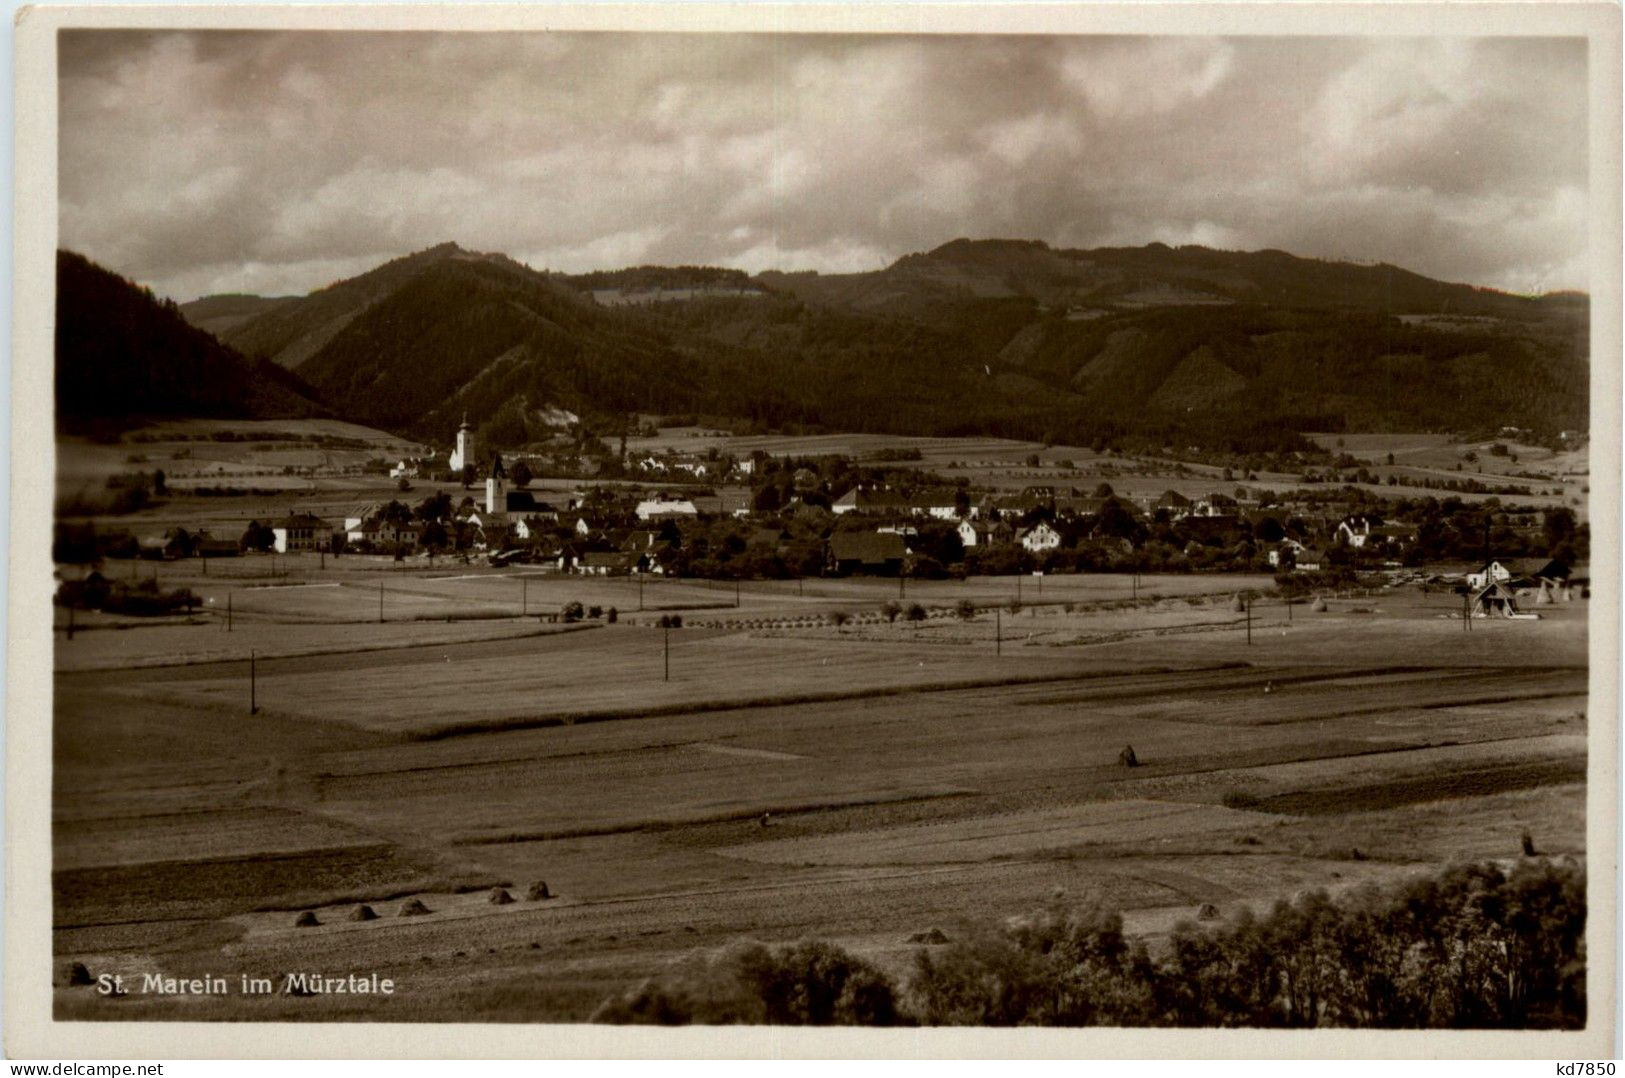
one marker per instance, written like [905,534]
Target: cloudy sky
[279,162]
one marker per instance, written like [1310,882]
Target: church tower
[464,453]
[496,487]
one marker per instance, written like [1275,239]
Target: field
[763,772]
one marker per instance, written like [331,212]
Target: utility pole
[998,631]
[1289,608]
[736,593]
[524,596]
[1249,622]
[253,696]
[666,655]
[380,602]
[640,591]
[70,621]
[1466,613]
[228,611]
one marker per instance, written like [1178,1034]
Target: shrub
[965,609]
[915,612]
[811,984]
[890,610]
[595,612]
[573,611]
[839,617]
[612,616]
[1241,799]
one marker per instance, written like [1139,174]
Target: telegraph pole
[640,591]
[228,611]
[998,632]
[380,602]
[1249,622]
[666,654]
[253,697]
[524,596]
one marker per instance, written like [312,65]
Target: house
[867,552]
[301,531]
[606,563]
[1359,531]
[355,518]
[1520,573]
[665,508]
[1039,538]
[981,533]
[1309,560]
[1216,505]
[405,469]
[864,500]
[937,505]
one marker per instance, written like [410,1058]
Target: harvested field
[861,786]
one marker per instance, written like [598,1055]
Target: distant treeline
[1475,947]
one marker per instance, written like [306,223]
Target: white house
[1039,538]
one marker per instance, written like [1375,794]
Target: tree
[257,537]
[890,610]
[520,474]
[469,474]
[405,485]
[434,535]
[160,483]
[915,612]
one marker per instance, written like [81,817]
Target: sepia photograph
[992,524]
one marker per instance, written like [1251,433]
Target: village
[712,515]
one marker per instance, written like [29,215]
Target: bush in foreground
[1476,947]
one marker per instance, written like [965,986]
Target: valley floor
[912,776]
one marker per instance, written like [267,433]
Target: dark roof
[608,559]
[870,548]
[300,520]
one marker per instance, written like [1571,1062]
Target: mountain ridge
[1007,337]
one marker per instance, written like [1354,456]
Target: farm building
[867,552]
[869,500]
[1496,600]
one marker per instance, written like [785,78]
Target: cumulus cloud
[276,162]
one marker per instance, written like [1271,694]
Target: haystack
[306,920]
[500,896]
[538,891]
[1319,605]
[413,908]
[1239,605]
[1207,912]
[1528,845]
[363,913]
[1127,757]
[931,938]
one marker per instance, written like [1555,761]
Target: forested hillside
[123,355]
